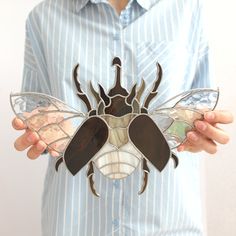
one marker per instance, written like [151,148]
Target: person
[62,33]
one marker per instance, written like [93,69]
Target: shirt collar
[146,4]
[79,4]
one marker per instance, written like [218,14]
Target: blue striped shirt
[62,33]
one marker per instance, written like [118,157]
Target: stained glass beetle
[118,135]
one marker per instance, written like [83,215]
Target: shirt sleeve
[203,74]
[34,79]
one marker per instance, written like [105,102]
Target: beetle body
[118,135]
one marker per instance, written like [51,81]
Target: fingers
[212,132]
[30,140]
[18,124]
[36,150]
[207,133]
[222,117]
[27,139]
[197,142]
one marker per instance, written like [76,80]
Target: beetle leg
[90,174]
[175,158]
[59,161]
[145,177]
[80,93]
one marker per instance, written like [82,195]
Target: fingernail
[201,125]
[193,136]
[19,122]
[210,116]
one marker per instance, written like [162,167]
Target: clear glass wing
[184,109]
[197,99]
[182,122]
[176,133]
[53,120]
[162,120]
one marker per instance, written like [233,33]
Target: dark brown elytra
[93,134]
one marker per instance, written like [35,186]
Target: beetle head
[118,101]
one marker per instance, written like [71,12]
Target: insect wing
[196,99]
[184,109]
[162,120]
[87,141]
[176,133]
[53,120]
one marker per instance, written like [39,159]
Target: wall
[220,171]
[21,180]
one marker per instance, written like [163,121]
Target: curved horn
[117,89]
[95,94]
[132,95]
[140,91]
[103,95]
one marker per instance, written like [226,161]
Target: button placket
[116,184]
[115,222]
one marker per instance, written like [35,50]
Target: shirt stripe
[62,33]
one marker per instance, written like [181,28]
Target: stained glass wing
[184,109]
[175,123]
[53,120]
[162,120]
[197,99]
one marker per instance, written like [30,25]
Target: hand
[207,133]
[28,140]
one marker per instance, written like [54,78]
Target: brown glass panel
[149,140]
[118,107]
[103,95]
[88,140]
[58,163]
[80,93]
[131,95]
[149,98]
[117,89]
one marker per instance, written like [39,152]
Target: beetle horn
[132,95]
[103,95]
[140,91]
[95,94]
[117,89]
[153,93]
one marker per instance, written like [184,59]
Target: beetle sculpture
[118,135]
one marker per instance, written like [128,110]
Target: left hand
[207,134]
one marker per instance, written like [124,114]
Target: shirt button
[115,222]
[125,17]
[116,183]
[116,37]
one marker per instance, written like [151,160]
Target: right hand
[29,140]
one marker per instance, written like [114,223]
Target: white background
[21,180]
